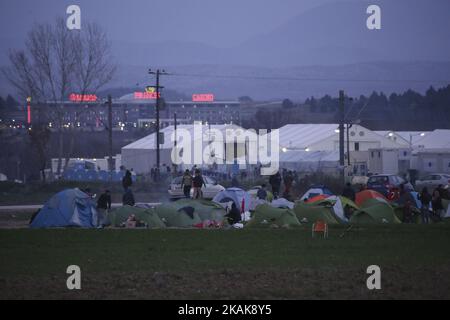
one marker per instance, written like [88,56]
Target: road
[36,207]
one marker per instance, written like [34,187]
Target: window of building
[356,146]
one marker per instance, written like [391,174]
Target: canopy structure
[69,208]
[140,155]
[309,161]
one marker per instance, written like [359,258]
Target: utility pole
[348,144]
[110,139]
[158,88]
[342,134]
[175,143]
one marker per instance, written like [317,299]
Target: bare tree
[57,61]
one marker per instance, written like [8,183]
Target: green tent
[378,212]
[178,216]
[310,214]
[148,216]
[206,210]
[265,214]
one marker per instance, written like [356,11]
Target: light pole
[158,88]
[411,136]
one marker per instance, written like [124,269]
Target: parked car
[387,184]
[432,181]
[209,192]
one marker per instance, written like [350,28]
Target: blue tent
[69,208]
[238,196]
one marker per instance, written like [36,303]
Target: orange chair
[320,227]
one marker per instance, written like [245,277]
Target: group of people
[287,178]
[194,181]
[434,200]
[432,203]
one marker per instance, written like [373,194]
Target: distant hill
[325,45]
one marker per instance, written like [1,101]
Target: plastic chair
[320,227]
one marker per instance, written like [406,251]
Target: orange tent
[365,195]
[317,198]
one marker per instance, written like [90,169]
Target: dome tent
[315,191]
[374,211]
[363,196]
[69,208]
[241,198]
[178,216]
[148,216]
[307,213]
[205,209]
[265,214]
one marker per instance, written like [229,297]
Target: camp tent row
[74,208]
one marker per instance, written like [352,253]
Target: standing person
[127,181]
[425,198]
[275,183]
[152,174]
[437,202]
[288,181]
[186,184]
[128,198]
[103,207]
[348,192]
[407,212]
[198,183]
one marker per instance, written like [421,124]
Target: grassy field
[233,264]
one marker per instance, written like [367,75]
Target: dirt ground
[231,285]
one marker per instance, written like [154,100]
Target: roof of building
[438,139]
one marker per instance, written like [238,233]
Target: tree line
[406,111]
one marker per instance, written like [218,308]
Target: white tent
[325,137]
[310,161]
[141,154]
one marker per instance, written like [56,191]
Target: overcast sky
[221,23]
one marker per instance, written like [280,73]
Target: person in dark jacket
[234,215]
[103,206]
[436,201]
[348,192]
[262,193]
[127,181]
[128,198]
[275,183]
[186,184]
[198,183]
[425,198]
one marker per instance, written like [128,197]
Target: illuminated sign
[74,97]
[145,95]
[150,89]
[208,97]
[29,110]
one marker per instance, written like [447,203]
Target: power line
[244,77]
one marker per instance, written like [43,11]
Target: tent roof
[312,156]
[301,136]
[149,142]
[438,139]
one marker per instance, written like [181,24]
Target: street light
[422,134]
